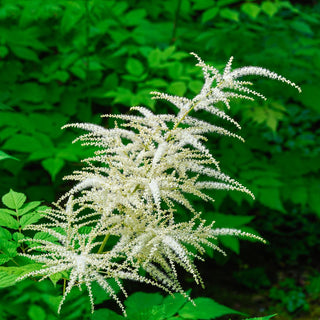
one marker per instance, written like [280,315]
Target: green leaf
[172,304]
[310,96]
[267,182]
[230,221]
[149,300]
[154,58]
[30,218]
[209,14]
[178,88]
[58,276]
[9,248]
[36,313]
[17,236]
[28,207]
[205,308]
[5,234]
[3,259]
[230,242]
[251,9]
[134,17]
[73,13]
[9,275]
[314,198]
[22,143]
[299,195]
[24,53]
[269,8]
[3,51]
[195,86]
[262,318]
[134,67]
[53,166]
[302,27]
[4,155]
[7,221]
[229,14]
[106,314]
[270,197]
[14,200]
[31,91]
[156,83]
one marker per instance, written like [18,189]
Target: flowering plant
[129,189]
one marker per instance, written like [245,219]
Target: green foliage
[157,307]
[13,219]
[290,295]
[63,61]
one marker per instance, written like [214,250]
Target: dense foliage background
[65,61]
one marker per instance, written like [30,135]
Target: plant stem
[175,22]
[103,243]
[64,285]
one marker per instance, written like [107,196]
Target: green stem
[103,243]
[87,53]
[64,285]
[175,22]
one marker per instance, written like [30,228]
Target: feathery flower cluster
[129,189]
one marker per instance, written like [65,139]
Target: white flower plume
[130,189]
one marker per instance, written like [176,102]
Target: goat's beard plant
[129,188]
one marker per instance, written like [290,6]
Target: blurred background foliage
[71,61]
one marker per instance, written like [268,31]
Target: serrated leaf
[7,221]
[30,218]
[9,275]
[4,258]
[5,234]
[8,211]
[14,200]
[28,207]
[205,308]
[45,236]
[17,236]
[9,248]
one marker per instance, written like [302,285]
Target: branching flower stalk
[129,190]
